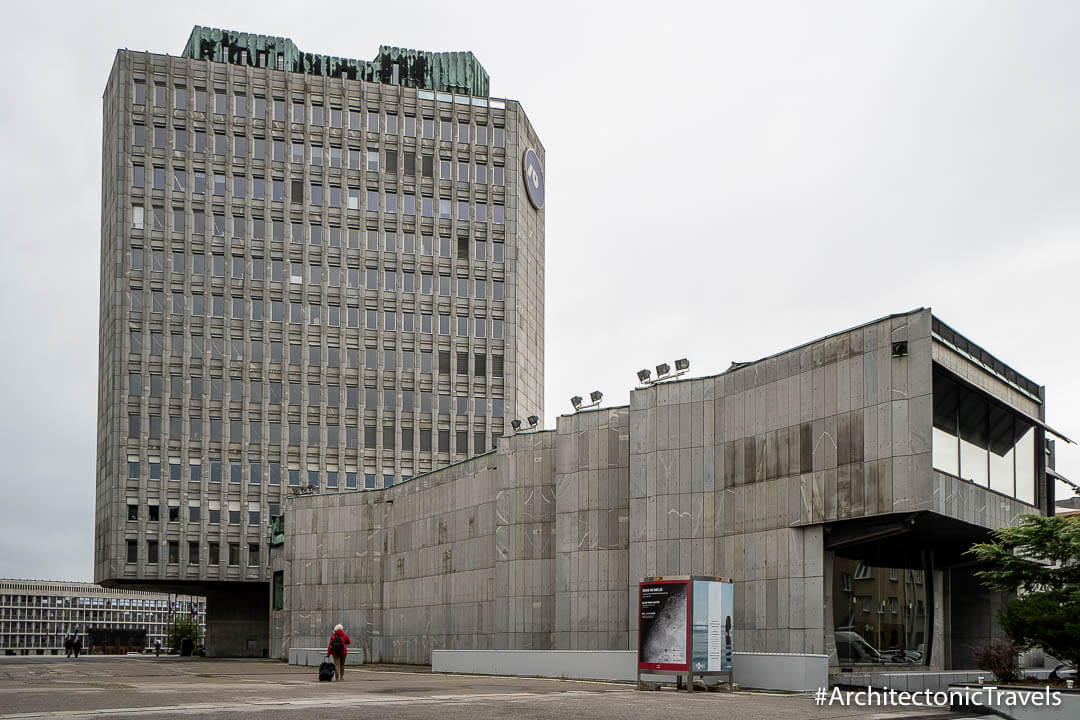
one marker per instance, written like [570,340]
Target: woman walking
[338,650]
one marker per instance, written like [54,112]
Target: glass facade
[880,614]
[35,616]
[982,441]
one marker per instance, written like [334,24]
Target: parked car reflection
[852,648]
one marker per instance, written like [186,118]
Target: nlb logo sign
[533,175]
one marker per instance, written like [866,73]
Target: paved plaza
[170,687]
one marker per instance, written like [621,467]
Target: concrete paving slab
[170,687]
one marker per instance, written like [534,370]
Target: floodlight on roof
[533,420]
[516,424]
[663,372]
[594,398]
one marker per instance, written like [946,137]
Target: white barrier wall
[766,671]
[570,664]
[781,671]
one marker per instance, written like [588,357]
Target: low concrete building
[838,483]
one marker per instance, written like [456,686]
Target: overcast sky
[724,181]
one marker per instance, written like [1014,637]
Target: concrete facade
[735,475]
[592,530]
[774,473]
[306,282]
[460,558]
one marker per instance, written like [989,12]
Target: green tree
[1039,558]
[181,627]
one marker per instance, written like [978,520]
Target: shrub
[181,629]
[1001,657]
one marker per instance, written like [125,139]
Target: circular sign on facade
[533,176]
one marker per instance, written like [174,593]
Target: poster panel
[663,625]
[713,643]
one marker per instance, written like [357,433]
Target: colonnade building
[838,483]
[317,273]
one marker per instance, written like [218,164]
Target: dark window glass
[880,614]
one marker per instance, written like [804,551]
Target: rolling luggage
[326,670]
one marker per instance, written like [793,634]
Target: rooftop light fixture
[663,372]
[594,397]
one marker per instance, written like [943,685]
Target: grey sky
[724,181]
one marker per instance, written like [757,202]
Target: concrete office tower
[316,272]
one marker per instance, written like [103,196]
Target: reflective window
[880,614]
[981,441]
[974,440]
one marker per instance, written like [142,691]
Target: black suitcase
[326,670]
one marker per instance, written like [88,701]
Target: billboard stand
[684,628]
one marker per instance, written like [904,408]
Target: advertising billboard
[711,627]
[663,625]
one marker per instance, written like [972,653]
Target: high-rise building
[316,272]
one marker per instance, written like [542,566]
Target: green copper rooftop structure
[456,72]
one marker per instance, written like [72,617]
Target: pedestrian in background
[338,650]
